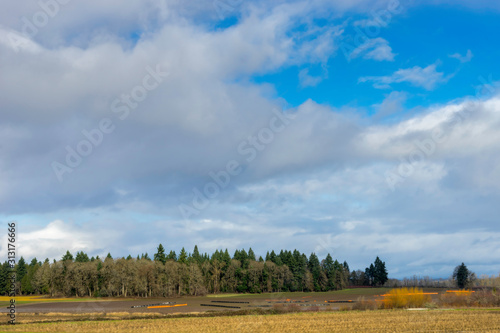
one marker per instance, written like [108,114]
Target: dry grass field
[350,321]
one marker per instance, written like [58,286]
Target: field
[305,301]
[309,312]
[352,321]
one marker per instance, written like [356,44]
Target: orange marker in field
[165,306]
[385,295]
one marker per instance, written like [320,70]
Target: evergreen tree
[327,264]
[251,255]
[301,272]
[67,256]
[81,257]
[282,257]
[278,261]
[236,255]
[22,269]
[291,262]
[216,255]
[226,258]
[245,261]
[346,266]
[26,282]
[315,269]
[463,277]
[272,256]
[379,272]
[34,262]
[4,278]
[172,256]
[109,256]
[183,256]
[160,254]
[340,274]
[329,270]
[196,255]
[369,274]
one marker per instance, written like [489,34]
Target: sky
[357,128]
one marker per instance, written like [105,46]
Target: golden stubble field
[350,321]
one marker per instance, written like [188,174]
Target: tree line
[187,274]
[462,278]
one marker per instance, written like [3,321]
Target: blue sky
[356,128]
[448,30]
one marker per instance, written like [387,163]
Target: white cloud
[371,22]
[57,237]
[376,49]
[350,225]
[463,126]
[307,80]
[461,58]
[18,42]
[428,78]
[392,104]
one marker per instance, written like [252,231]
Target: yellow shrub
[406,298]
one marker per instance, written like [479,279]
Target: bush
[362,304]
[485,298]
[479,298]
[314,308]
[345,308]
[406,298]
[285,308]
[453,299]
[431,305]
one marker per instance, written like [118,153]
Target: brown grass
[363,304]
[352,321]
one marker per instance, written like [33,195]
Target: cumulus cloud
[57,237]
[428,78]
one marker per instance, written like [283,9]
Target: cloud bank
[145,105]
